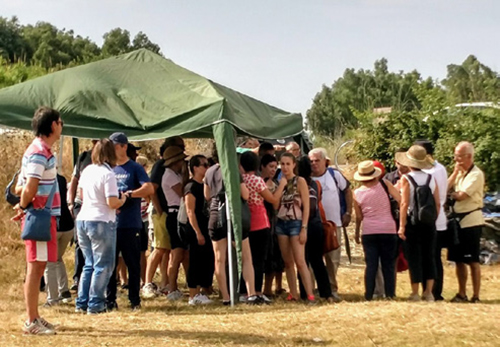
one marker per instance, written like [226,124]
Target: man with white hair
[467,183]
[334,188]
[293,148]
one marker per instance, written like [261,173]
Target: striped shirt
[39,162]
[376,209]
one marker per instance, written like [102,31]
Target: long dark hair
[305,169]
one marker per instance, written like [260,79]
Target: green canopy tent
[149,97]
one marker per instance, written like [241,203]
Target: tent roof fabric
[144,95]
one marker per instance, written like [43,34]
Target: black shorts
[218,234]
[175,240]
[144,237]
[468,249]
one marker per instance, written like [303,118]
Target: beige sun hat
[366,171]
[173,154]
[416,157]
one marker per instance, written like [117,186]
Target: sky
[282,52]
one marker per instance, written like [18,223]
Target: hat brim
[178,157]
[362,178]
[403,159]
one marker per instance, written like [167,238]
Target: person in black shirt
[395,176]
[201,254]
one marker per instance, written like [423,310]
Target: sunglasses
[205,165]
[60,121]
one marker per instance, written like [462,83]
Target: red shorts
[42,251]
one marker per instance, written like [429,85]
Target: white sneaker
[149,291]
[175,295]
[265,299]
[37,328]
[199,299]
[242,298]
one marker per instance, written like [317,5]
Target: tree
[472,81]
[333,108]
[12,45]
[141,40]
[116,41]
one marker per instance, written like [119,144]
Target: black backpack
[424,210]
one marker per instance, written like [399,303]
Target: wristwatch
[129,193]
[304,226]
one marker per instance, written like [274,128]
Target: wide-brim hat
[416,157]
[173,154]
[367,171]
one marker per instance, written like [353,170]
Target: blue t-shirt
[130,176]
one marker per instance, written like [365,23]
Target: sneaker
[162,291]
[265,299]
[336,297]
[66,297]
[459,298]
[149,291]
[243,298]
[199,299]
[254,300]
[80,310]
[226,302]
[74,287]
[428,297]
[46,324]
[37,328]
[475,300]
[135,308]
[414,297]
[111,306]
[175,295]
[50,304]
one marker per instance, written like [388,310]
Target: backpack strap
[332,173]
[428,181]
[415,186]
[385,188]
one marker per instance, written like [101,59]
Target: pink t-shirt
[258,217]
[376,209]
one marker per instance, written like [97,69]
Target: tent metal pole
[60,156]
[230,252]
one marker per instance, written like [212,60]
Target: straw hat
[367,171]
[416,157]
[173,154]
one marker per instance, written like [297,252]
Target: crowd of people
[293,209]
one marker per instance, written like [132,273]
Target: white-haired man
[467,183]
[334,188]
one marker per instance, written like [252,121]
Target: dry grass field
[350,323]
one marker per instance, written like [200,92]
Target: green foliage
[378,137]
[472,82]
[46,46]
[333,109]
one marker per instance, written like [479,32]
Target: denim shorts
[288,227]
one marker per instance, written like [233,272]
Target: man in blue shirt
[134,182]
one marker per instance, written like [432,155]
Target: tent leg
[230,254]
[60,156]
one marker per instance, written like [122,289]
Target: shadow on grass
[202,337]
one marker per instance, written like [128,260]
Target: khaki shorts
[161,236]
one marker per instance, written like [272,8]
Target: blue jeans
[98,244]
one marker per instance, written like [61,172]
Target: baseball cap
[120,138]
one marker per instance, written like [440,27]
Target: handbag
[37,220]
[12,198]
[453,226]
[331,241]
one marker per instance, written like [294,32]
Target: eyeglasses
[61,122]
[205,165]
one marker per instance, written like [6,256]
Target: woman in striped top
[379,239]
